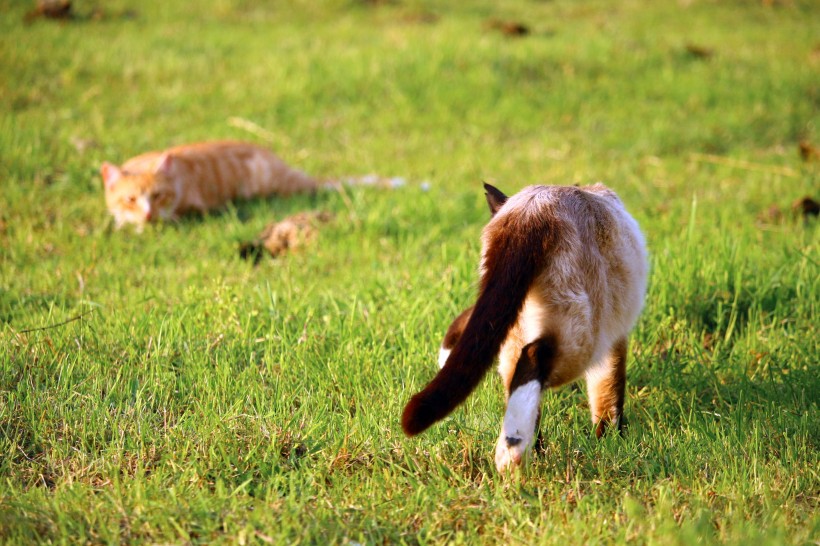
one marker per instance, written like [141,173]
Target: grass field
[154,388]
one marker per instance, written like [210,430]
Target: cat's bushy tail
[514,254]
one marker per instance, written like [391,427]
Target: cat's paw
[510,452]
[518,428]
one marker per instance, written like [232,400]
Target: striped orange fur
[196,178]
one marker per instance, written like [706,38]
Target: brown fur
[456,328]
[535,363]
[510,265]
[196,178]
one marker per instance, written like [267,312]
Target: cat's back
[143,163]
[566,210]
[613,226]
[600,225]
[572,211]
[588,228]
[218,149]
[202,153]
[239,168]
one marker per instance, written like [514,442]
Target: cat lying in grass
[196,178]
[562,282]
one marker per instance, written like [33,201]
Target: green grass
[197,399]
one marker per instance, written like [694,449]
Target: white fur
[533,319]
[145,205]
[126,216]
[519,423]
[443,355]
[596,374]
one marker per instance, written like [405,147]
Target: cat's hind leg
[453,334]
[606,386]
[518,430]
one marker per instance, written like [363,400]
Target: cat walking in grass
[562,281]
[196,178]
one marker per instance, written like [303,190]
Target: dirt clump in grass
[420,18]
[50,9]
[699,52]
[807,207]
[508,28]
[295,231]
[808,152]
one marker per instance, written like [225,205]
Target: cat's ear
[165,164]
[495,198]
[110,174]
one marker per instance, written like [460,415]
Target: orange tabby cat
[196,177]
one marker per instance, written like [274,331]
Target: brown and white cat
[562,282]
[196,177]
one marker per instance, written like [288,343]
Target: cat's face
[137,198]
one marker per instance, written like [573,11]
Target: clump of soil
[508,28]
[808,152]
[293,232]
[63,10]
[698,51]
[50,9]
[805,208]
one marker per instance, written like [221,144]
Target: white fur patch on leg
[518,429]
[443,354]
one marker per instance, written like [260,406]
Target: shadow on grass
[14,306]
[779,398]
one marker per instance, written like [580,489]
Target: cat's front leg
[519,428]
